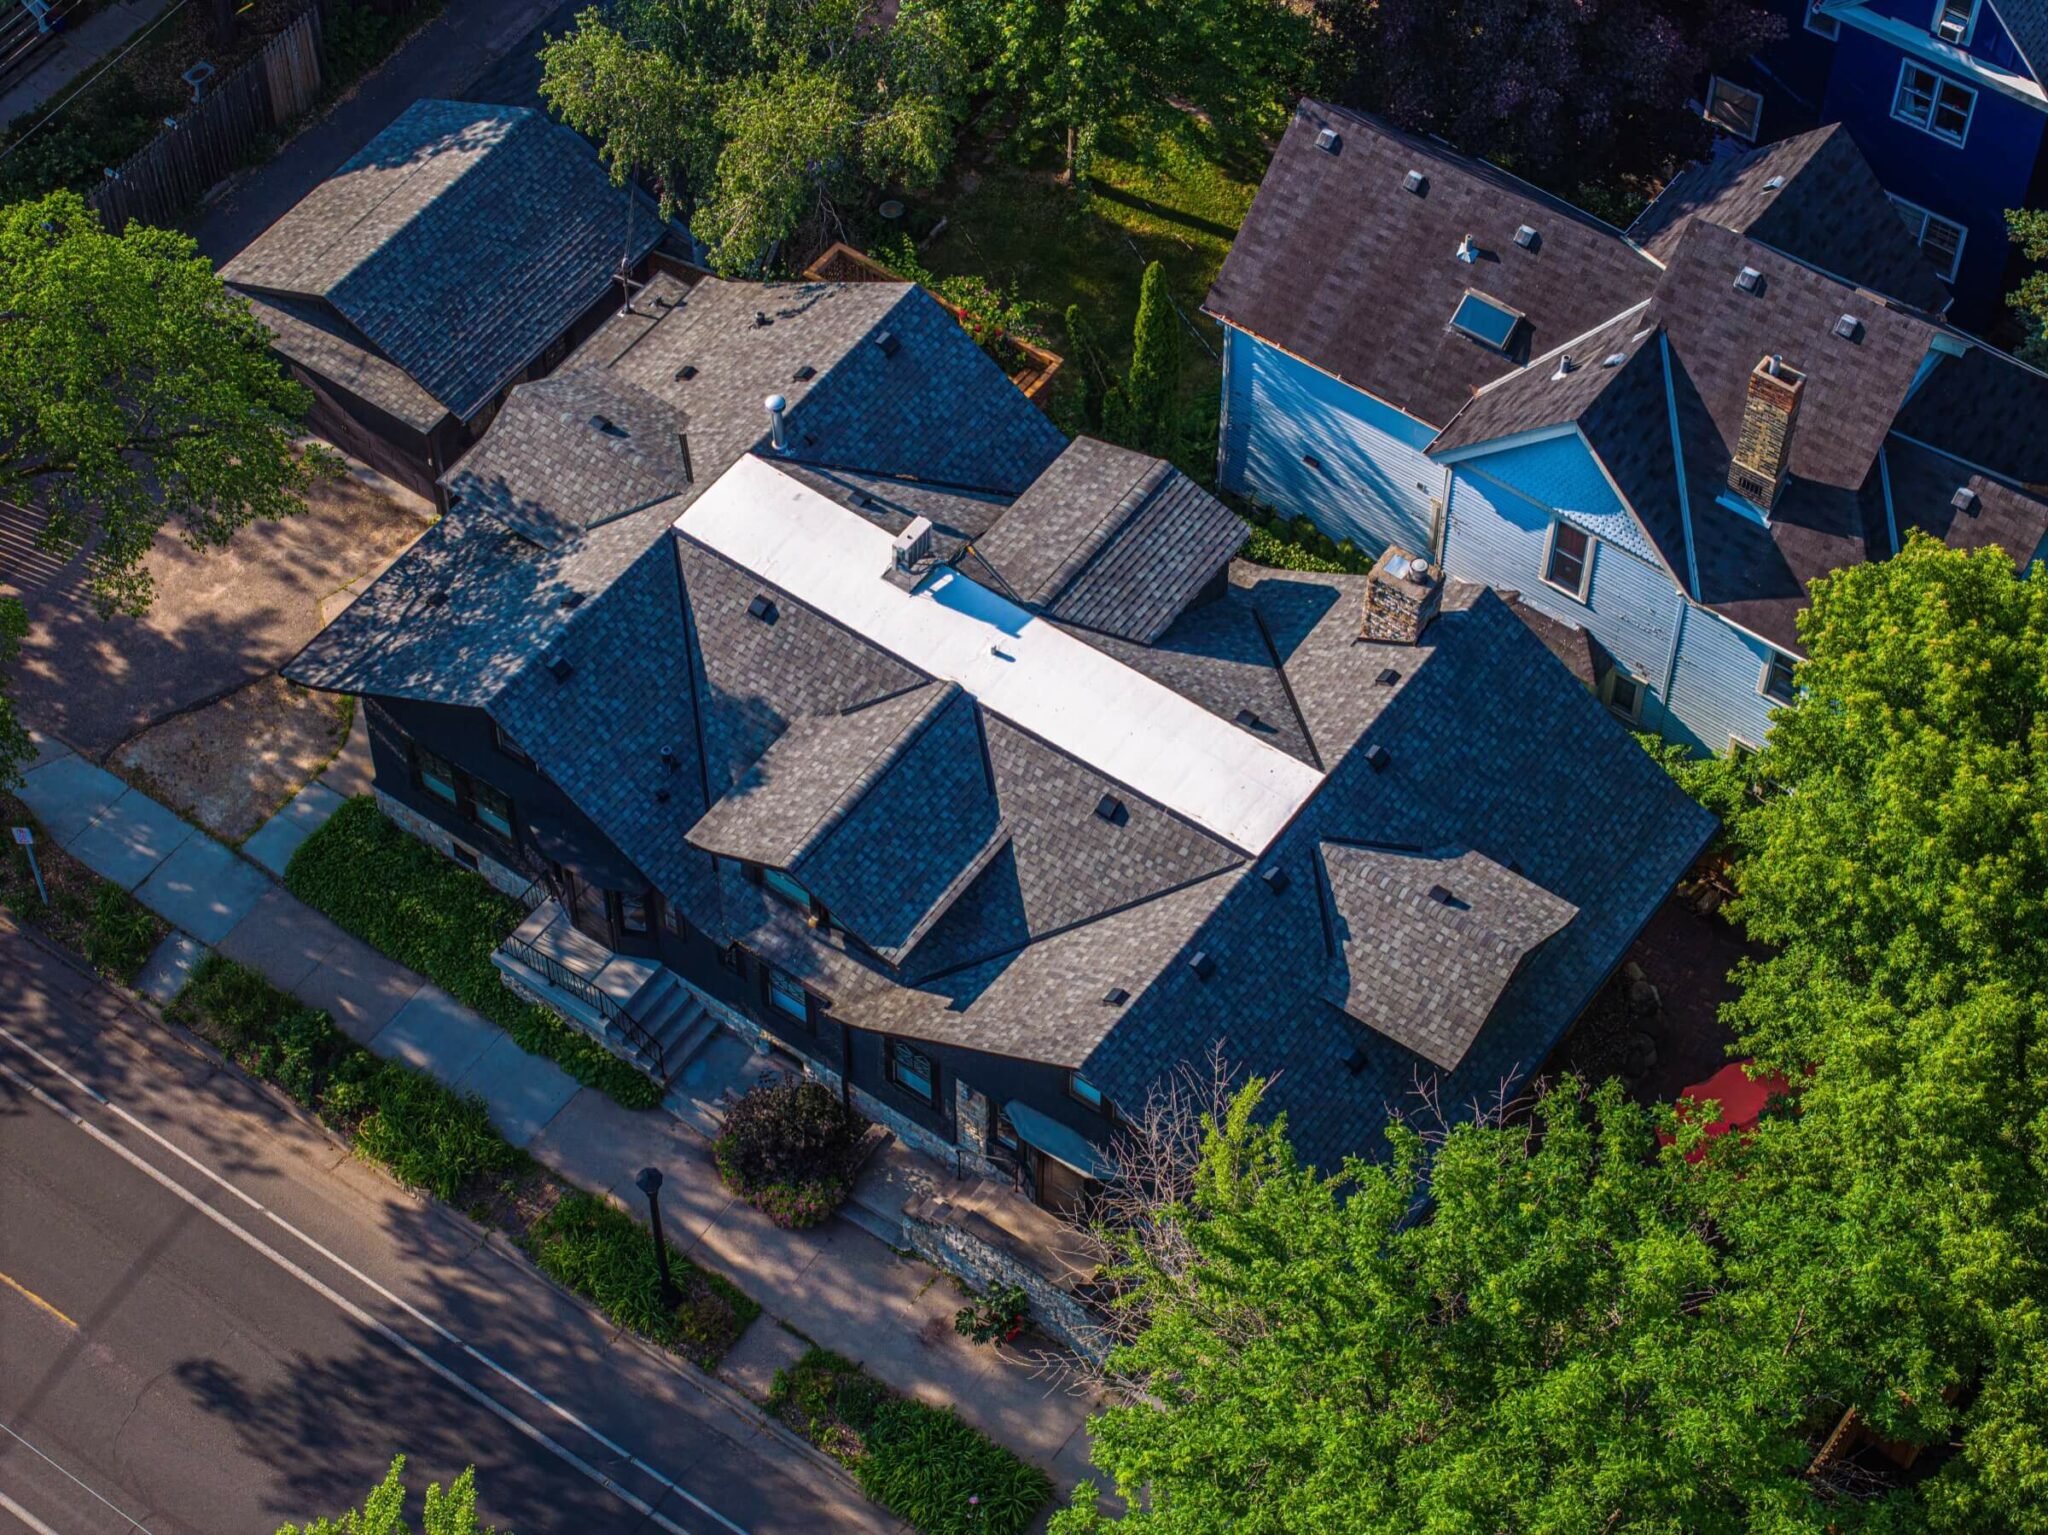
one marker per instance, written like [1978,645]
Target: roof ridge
[1089,547]
[878,767]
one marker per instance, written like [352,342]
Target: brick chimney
[1763,454]
[1402,595]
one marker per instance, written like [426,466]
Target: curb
[706,1383]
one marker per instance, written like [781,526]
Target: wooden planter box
[842,263]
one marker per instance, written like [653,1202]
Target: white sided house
[1653,441]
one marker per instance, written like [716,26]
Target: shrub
[398,894]
[921,1463]
[90,916]
[120,933]
[604,1255]
[429,1135]
[995,1317]
[788,1149]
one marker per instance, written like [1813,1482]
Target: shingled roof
[459,243]
[1341,264]
[1812,197]
[1112,540]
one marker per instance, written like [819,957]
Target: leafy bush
[606,1256]
[788,1149]
[1298,544]
[426,1135]
[995,1317]
[115,932]
[120,933]
[920,1462]
[398,894]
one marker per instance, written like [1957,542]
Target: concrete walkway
[73,51]
[839,1285]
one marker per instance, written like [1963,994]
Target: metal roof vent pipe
[776,406]
[1565,366]
[1468,250]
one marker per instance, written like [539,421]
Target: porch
[636,1008]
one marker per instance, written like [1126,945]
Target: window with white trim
[1776,683]
[1955,20]
[1940,240]
[1734,107]
[1825,26]
[1933,103]
[1569,562]
[1624,695]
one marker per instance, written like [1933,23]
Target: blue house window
[912,1070]
[1777,679]
[786,887]
[1570,560]
[1955,20]
[1826,26]
[1933,103]
[1084,1090]
[1734,107]
[1940,240]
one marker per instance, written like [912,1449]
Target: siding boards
[1374,486]
[1714,690]
[1560,472]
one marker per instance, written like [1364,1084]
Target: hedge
[920,1462]
[431,915]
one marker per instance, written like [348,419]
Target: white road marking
[36,1524]
[25,1516]
[355,1312]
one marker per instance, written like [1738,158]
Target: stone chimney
[1402,595]
[1763,454]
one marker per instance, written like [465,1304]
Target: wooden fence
[174,170]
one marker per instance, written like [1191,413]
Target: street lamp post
[649,1183]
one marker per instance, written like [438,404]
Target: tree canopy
[2028,229]
[753,116]
[449,1512]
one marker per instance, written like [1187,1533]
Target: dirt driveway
[221,619]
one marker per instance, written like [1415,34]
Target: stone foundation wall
[507,879]
[968,1244]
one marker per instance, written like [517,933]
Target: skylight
[1486,321]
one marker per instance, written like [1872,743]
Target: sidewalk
[74,51]
[838,1285]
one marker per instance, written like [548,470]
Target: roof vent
[1468,250]
[1416,182]
[570,600]
[805,374]
[1849,328]
[1356,1062]
[559,667]
[1378,758]
[661,796]
[1202,964]
[1964,501]
[1111,809]
[1763,452]
[1750,280]
[1387,677]
[1116,996]
[1440,894]
[1775,184]
[668,758]
[913,546]
[1248,719]
[888,343]
[1614,359]
[776,405]
[761,608]
[1402,595]
[761,318]
[1565,367]
[1329,141]
[438,597]
[1275,878]
[687,371]
[1526,237]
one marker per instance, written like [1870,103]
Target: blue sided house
[1944,97]
[1649,443]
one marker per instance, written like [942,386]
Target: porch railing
[586,991]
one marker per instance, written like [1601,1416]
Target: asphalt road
[213,1320]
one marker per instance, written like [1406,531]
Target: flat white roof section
[1115,719]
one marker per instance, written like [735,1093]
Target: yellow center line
[36,1300]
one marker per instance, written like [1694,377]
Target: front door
[585,904]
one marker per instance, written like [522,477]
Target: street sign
[27,839]
[24,836]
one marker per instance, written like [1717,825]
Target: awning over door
[1046,1134]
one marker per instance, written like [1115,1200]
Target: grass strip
[922,1463]
[400,896]
[86,914]
[607,1257]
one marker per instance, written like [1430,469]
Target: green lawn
[1167,187]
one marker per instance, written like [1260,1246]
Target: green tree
[383,1513]
[135,391]
[1153,390]
[757,115]
[1903,877]
[1562,1345]
[1074,66]
[2028,229]
[1091,368]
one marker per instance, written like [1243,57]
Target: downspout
[846,1066]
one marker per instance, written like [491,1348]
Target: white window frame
[1926,124]
[1941,8]
[1763,681]
[1586,565]
[1739,748]
[1615,676]
[1756,118]
[1829,27]
[1926,217]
